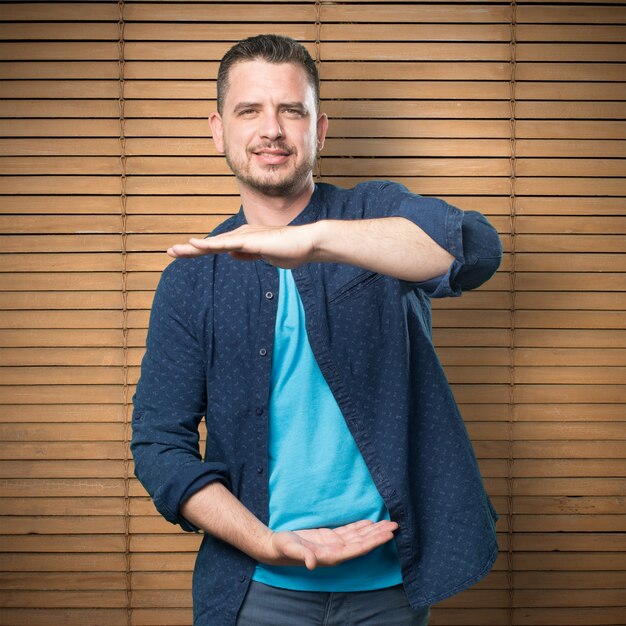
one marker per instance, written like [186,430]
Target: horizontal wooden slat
[62,356]
[63,375]
[64,413]
[59,69]
[79,281]
[66,337]
[92,506]
[62,469]
[291,12]
[59,11]
[573,357]
[64,487]
[61,432]
[58,599]
[458,90]
[87,204]
[62,580]
[573,15]
[102,31]
[62,319]
[570,32]
[54,394]
[75,51]
[208,31]
[77,562]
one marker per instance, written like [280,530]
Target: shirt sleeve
[170,402]
[466,235]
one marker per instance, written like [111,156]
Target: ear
[322,128]
[217,128]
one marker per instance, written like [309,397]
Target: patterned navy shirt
[209,351]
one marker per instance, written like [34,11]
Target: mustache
[283,147]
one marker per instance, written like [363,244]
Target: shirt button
[259,410]
[242,578]
[269,295]
[259,470]
[262,351]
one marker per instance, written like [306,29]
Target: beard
[271,182]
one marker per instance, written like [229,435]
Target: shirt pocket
[356,286]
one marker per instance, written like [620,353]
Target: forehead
[259,81]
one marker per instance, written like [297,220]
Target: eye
[294,112]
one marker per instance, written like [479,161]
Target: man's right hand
[216,510]
[317,547]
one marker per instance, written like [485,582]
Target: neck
[262,210]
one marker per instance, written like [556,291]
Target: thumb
[299,551]
[310,560]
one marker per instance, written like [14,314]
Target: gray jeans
[271,606]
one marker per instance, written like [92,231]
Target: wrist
[264,550]
[320,232]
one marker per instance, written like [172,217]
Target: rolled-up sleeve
[466,235]
[170,402]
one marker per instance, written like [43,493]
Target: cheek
[309,138]
[237,138]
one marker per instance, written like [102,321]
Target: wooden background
[514,109]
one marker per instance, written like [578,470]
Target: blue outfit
[318,478]
[209,353]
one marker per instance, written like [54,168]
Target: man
[338,484]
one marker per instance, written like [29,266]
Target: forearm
[218,512]
[214,509]
[393,246]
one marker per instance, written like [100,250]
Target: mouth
[272,156]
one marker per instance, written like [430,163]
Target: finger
[383,534]
[329,555]
[184,250]
[220,242]
[371,539]
[310,560]
[380,534]
[367,544]
[353,526]
[332,555]
[385,525]
[197,247]
[364,527]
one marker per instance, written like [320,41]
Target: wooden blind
[512,108]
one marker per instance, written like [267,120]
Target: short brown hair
[270,48]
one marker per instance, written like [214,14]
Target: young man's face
[269,130]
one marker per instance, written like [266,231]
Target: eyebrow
[245,105]
[285,105]
[293,105]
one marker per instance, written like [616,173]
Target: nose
[270,127]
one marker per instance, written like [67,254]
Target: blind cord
[512,309]
[124,279]
[318,64]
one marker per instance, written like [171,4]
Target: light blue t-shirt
[318,477]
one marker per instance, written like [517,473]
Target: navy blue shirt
[209,351]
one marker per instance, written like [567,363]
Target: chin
[276,190]
[276,187]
